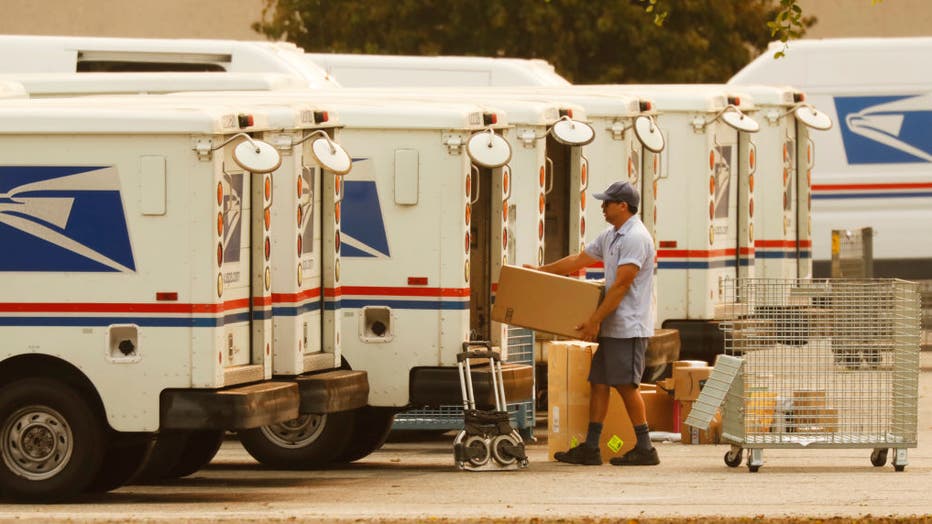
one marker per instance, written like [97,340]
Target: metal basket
[823,363]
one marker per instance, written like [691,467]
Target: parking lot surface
[413,479]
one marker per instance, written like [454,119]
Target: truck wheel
[307,442]
[370,430]
[125,456]
[169,445]
[51,441]
[199,450]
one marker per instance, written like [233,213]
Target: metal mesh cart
[817,364]
[447,417]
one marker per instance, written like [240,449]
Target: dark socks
[643,434]
[593,434]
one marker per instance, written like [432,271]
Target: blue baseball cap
[620,192]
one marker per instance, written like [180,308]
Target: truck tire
[199,449]
[125,456]
[165,454]
[51,441]
[307,442]
[370,429]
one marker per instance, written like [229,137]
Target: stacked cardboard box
[568,406]
[688,379]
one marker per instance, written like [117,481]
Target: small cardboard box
[688,381]
[691,435]
[544,302]
[568,406]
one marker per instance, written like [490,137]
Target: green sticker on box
[615,443]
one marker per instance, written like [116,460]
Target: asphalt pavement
[413,479]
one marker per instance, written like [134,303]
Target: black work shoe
[637,457]
[581,454]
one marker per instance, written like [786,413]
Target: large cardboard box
[568,406]
[544,302]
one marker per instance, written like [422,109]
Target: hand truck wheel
[477,451]
[499,451]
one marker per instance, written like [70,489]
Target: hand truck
[487,441]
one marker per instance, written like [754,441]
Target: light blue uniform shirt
[630,244]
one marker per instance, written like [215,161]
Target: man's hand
[588,330]
[529,266]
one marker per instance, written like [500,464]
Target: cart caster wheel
[879,457]
[899,468]
[733,458]
[753,469]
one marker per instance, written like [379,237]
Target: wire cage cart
[816,364]
[449,417]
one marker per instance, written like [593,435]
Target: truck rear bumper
[434,386]
[331,391]
[238,407]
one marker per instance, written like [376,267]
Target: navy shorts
[618,361]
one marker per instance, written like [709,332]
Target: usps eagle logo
[886,129]
[63,218]
[362,225]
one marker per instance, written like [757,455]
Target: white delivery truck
[135,299]
[305,265]
[697,206]
[305,275]
[627,145]
[352,70]
[543,216]
[85,54]
[422,239]
[874,168]
[781,191]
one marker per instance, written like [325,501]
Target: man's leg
[598,409]
[643,452]
[588,453]
[634,403]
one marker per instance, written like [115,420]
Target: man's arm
[589,329]
[567,265]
